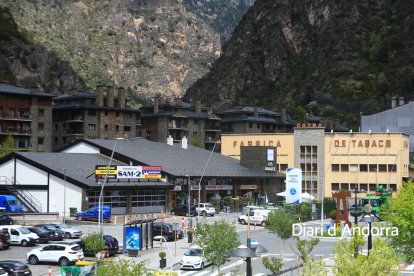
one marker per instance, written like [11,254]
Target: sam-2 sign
[129,172]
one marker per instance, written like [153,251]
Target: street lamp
[64,195]
[369,217]
[189,199]
[201,177]
[356,215]
[102,188]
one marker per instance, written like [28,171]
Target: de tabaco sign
[128,172]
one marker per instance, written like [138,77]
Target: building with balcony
[254,120]
[26,115]
[101,114]
[180,119]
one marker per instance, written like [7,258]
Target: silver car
[69,231]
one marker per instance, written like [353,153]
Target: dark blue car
[5,220]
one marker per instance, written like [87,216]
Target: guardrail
[25,215]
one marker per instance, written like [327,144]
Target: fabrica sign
[293,185]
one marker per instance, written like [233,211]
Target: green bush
[93,242]
[162,254]
[274,264]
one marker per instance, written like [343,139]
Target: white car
[194,259]
[63,254]
[69,231]
[206,209]
[3,272]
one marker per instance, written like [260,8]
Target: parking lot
[17,252]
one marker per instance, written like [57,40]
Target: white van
[21,235]
[258,216]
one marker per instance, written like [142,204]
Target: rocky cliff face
[149,46]
[25,64]
[332,58]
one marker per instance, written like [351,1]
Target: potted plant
[163,260]
[190,234]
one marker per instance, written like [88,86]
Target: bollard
[255,226]
[125,219]
[182,223]
[50,271]
[115,220]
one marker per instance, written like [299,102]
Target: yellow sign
[167,273]
[104,171]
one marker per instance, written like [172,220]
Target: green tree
[314,267]
[93,242]
[400,214]
[122,267]
[305,247]
[273,264]
[8,146]
[217,240]
[197,141]
[280,223]
[382,260]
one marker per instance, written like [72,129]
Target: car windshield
[76,248]
[209,205]
[51,227]
[194,252]
[64,226]
[23,230]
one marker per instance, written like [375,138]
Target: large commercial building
[26,115]
[333,161]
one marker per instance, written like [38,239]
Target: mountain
[329,58]
[26,64]
[148,46]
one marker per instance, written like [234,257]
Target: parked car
[193,259]
[57,235]
[111,245]
[21,235]
[92,214]
[257,216]
[206,209]
[182,210]
[166,230]
[15,268]
[69,231]
[63,254]
[11,204]
[44,235]
[5,220]
[4,239]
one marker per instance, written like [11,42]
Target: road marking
[319,255]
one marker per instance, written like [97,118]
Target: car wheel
[243,222]
[81,218]
[33,260]
[11,222]
[63,261]
[67,236]
[202,266]
[263,223]
[24,243]
[204,213]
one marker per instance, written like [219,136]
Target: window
[91,126]
[117,128]
[363,167]
[344,167]
[393,187]
[372,187]
[40,140]
[373,167]
[117,114]
[41,126]
[106,113]
[335,167]
[382,167]
[353,167]
[345,186]
[55,140]
[41,112]
[335,186]
[353,186]
[128,115]
[258,126]
[127,128]
[250,125]
[56,127]
[64,140]
[106,127]
[283,167]
[392,168]
[363,187]
[195,121]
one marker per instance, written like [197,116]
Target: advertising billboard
[293,185]
[132,238]
[128,172]
[101,170]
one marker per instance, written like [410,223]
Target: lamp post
[201,177]
[369,217]
[64,194]
[102,188]
[189,198]
[355,205]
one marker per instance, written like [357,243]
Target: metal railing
[25,197]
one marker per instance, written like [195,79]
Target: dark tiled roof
[180,162]
[80,167]
[248,109]
[78,95]
[181,113]
[4,88]
[250,119]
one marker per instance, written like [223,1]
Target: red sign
[303,125]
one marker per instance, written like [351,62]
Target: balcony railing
[212,128]
[16,117]
[227,130]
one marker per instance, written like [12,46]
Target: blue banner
[132,238]
[293,185]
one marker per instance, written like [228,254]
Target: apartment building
[26,115]
[101,114]
[179,119]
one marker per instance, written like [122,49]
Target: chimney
[255,112]
[35,89]
[184,142]
[198,105]
[110,91]
[99,95]
[157,105]
[393,102]
[283,115]
[401,102]
[178,101]
[121,97]
[170,140]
